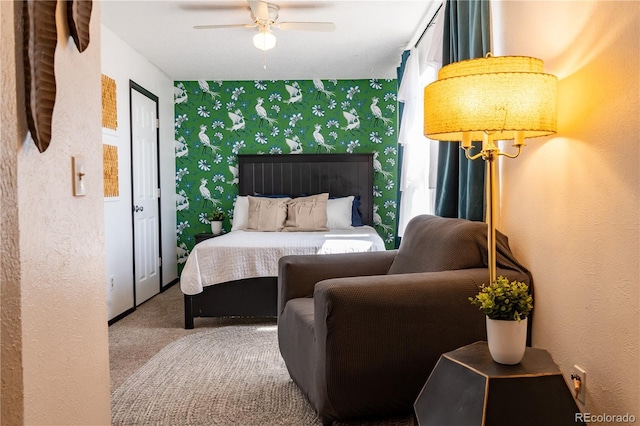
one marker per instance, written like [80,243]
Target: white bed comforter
[246,254]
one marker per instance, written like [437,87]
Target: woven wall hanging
[110,160]
[109,106]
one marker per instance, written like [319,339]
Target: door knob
[138,209]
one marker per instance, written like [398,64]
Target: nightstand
[467,387]
[204,236]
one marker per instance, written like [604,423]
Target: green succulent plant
[504,300]
[217,215]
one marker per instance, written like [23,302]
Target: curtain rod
[429,25]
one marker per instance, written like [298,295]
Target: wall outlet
[580,372]
[111,284]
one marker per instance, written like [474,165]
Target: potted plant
[507,306]
[215,219]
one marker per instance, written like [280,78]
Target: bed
[235,274]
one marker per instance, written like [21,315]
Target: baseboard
[130,310]
[119,317]
[171,284]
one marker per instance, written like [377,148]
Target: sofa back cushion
[432,243]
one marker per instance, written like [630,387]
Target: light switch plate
[79,177]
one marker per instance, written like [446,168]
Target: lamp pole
[489,153]
[492,195]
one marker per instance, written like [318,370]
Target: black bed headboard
[295,174]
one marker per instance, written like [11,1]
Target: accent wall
[217,120]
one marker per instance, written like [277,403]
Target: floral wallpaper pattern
[217,120]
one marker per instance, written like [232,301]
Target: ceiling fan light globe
[264,40]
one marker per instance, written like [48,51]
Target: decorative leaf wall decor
[40,39]
[78,18]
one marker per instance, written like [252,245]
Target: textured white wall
[570,202]
[61,247]
[121,63]
[10,130]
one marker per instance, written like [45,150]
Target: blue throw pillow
[356,216]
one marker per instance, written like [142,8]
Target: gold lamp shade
[488,99]
[508,97]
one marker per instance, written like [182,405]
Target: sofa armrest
[395,327]
[298,274]
[407,301]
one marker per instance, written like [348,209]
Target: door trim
[135,86]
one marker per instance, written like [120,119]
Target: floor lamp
[490,99]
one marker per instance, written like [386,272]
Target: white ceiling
[367,43]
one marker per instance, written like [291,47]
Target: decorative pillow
[339,212]
[356,216]
[307,213]
[240,218]
[267,214]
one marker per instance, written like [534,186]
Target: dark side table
[467,388]
[204,236]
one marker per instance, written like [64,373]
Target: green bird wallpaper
[217,120]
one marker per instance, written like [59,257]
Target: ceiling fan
[265,16]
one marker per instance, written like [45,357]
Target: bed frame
[294,174]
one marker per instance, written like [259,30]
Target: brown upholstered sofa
[361,332]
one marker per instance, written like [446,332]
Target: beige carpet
[224,372]
[226,376]
[136,338]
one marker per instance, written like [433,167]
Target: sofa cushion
[432,243]
[297,343]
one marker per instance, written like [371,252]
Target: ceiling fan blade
[307,26]
[259,9]
[217,27]
[208,6]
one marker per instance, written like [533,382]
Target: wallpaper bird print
[217,120]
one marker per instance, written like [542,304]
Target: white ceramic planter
[216,227]
[507,340]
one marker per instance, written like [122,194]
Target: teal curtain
[460,182]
